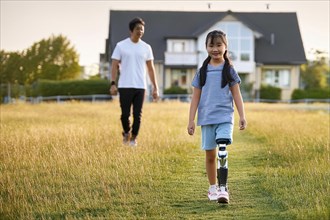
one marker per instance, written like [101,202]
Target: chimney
[272,39]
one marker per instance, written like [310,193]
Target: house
[265,48]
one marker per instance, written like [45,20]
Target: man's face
[138,31]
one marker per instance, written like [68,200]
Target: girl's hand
[191,128]
[242,123]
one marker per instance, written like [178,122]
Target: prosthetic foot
[222,170]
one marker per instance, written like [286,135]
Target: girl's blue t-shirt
[216,103]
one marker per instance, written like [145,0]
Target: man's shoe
[125,138]
[133,142]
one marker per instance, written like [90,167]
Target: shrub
[270,92]
[311,94]
[175,90]
[70,87]
[16,90]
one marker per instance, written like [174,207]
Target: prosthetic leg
[222,170]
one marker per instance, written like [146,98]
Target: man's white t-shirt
[133,58]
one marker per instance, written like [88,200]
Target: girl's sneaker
[223,196]
[213,193]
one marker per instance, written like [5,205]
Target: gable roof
[283,28]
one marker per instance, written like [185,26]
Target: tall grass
[296,158]
[67,161]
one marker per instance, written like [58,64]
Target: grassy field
[66,161]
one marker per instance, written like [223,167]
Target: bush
[175,90]
[16,90]
[311,94]
[70,87]
[270,92]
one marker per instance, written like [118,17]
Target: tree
[11,69]
[53,59]
[11,74]
[314,73]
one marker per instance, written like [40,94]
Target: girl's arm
[235,91]
[193,108]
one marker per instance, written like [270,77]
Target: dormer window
[240,40]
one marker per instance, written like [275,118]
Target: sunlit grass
[64,161]
[67,159]
[297,158]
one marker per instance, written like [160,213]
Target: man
[133,57]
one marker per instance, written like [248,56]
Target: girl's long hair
[226,76]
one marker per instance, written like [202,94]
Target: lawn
[67,161]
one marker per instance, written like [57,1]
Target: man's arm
[152,76]
[114,73]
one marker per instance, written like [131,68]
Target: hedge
[70,87]
[175,90]
[270,92]
[311,94]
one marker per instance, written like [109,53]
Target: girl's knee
[211,156]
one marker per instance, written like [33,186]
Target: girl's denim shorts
[210,133]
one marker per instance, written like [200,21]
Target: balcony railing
[188,59]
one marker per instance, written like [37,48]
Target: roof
[283,28]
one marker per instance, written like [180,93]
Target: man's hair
[134,22]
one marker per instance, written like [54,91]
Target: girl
[216,85]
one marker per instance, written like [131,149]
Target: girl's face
[216,49]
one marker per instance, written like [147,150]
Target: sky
[86,23]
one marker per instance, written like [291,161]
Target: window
[243,77]
[245,56]
[245,44]
[178,46]
[178,77]
[278,78]
[233,44]
[284,78]
[233,30]
[240,40]
[245,32]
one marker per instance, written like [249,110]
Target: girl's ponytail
[226,76]
[203,70]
